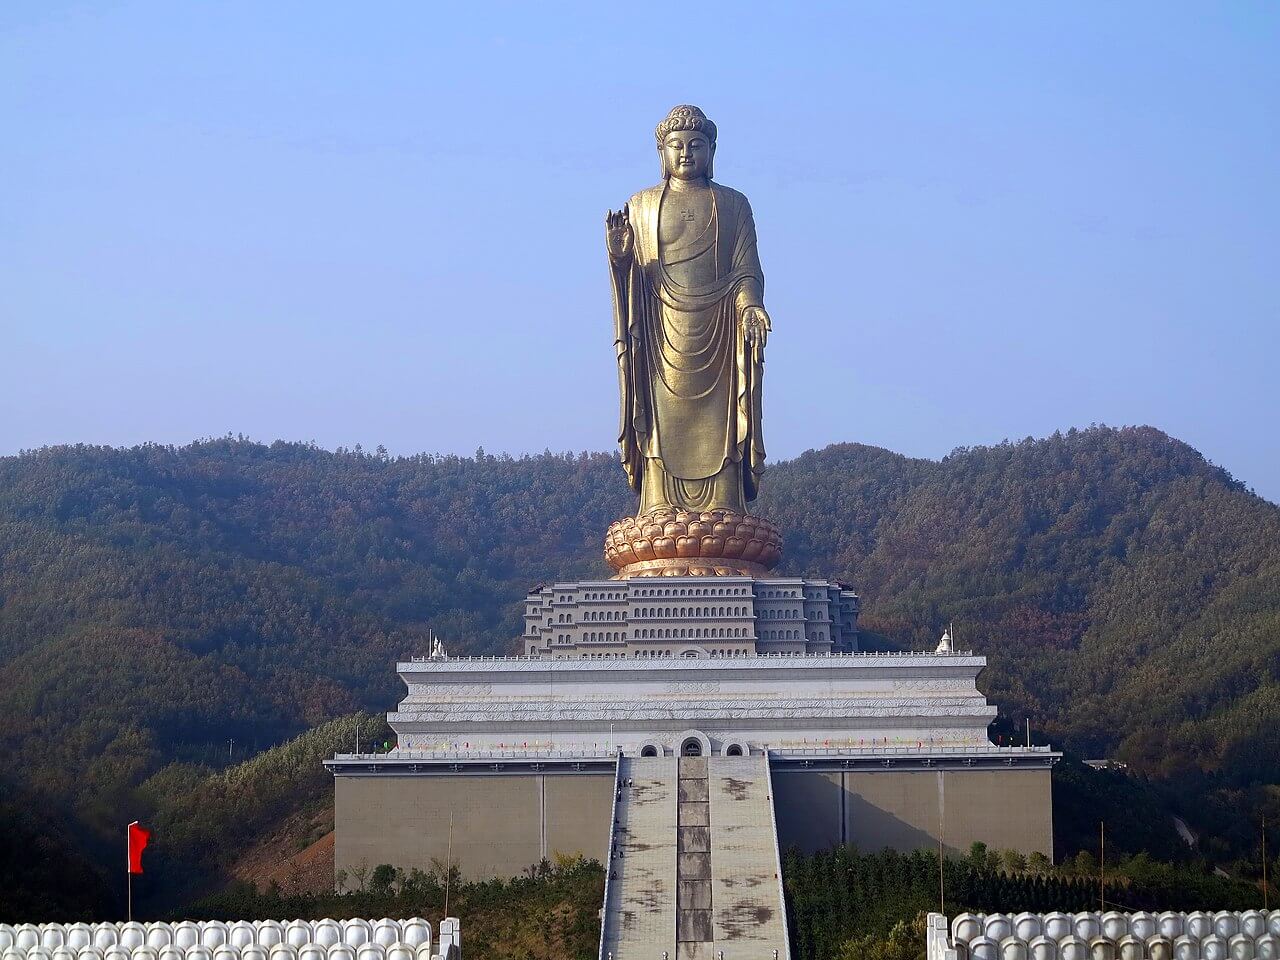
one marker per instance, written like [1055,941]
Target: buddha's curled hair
[686,117]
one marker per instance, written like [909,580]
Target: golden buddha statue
[689,330]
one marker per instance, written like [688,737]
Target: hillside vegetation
[844,904]
[166,612]
[552,912]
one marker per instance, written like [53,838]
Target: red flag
[138,837]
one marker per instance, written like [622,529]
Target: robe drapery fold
[689,383]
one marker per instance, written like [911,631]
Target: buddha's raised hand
[617,233]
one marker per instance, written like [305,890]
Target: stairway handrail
[785,952]
[608,863]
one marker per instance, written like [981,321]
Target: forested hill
[191,605]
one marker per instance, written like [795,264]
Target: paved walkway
[694,904]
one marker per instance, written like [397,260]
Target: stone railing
[646,661]
[901,746]
[608,863]
[1224,935]
[479,753]
[384,939]
[499,658]
[777,865]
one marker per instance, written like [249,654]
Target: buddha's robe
[689,383]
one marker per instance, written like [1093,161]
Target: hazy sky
[383,223]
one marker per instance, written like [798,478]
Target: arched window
[649,751]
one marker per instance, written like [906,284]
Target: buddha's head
[687,144]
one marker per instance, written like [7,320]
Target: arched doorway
[692,747]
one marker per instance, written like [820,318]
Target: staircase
[639,907]
[694,873]
[749,919]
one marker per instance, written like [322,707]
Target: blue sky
[383,223]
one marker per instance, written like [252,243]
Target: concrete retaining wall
[904,810]
[501,824]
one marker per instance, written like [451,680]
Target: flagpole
[128,872]
[1264,864]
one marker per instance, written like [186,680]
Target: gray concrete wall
[501,824]
[1005,809]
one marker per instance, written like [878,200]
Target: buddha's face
[687,154]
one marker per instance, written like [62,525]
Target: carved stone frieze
[927,685]
[692,686]
[452,691]
[556,712]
